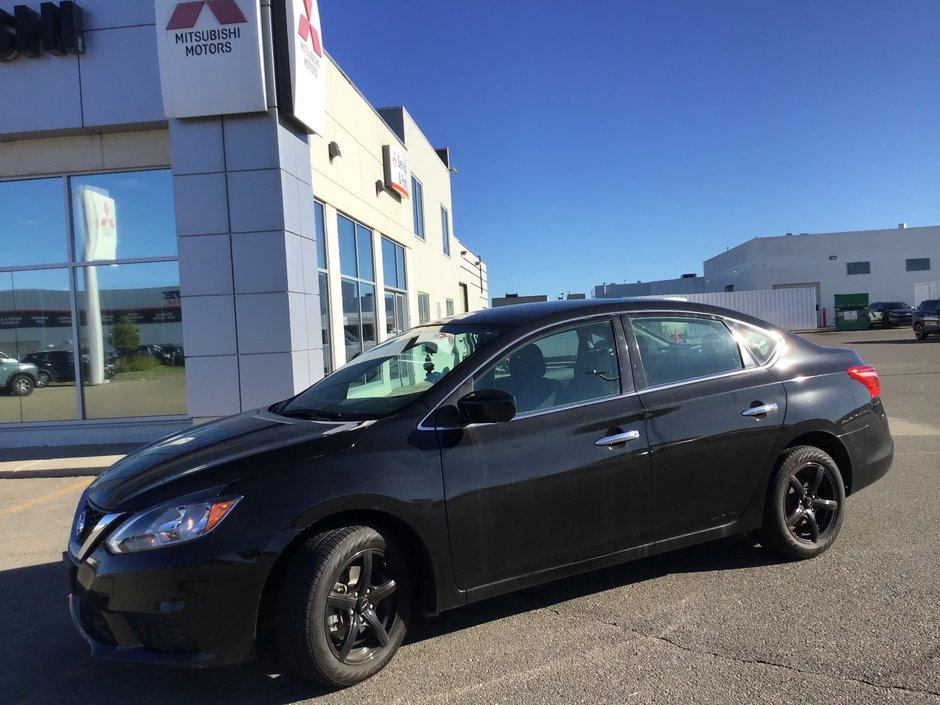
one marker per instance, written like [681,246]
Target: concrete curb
[41,463]
[51,473]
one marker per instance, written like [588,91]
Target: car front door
[932,317]
[565,480]
[713,415]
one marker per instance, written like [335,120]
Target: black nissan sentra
[465,459]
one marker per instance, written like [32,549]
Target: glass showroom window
[445,231]
[396,295]
[324,286]
[36,328]
[424,308]
[358,286]
[417,207]
[114,237]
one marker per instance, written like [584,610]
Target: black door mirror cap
[487,406]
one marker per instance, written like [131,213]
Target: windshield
[388,377]
[896,304]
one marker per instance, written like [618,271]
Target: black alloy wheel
[43,379]
[804,510]
[920,332]
[344,606]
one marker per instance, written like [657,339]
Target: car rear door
[568,478]
[713,415]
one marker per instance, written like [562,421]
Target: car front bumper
[184,605]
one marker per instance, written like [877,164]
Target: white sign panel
[396,169]
[211,61]
[100,225]
[301,63]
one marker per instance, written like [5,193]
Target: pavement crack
[746,661]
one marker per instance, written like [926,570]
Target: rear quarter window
[760,343]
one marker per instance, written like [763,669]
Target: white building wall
[351,185]
[765,263]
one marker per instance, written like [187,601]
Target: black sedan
[465,459]
[888,314]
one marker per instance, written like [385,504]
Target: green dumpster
[850,311]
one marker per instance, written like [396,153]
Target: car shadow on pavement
[893,341]
[725,554]
[45,661]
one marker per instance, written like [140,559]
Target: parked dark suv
[888,314]
[926,318]
[59,366]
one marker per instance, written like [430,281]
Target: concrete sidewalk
[61,461]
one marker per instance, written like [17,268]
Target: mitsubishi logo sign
[187,13]
[306,29]
[211,58]
[57,30]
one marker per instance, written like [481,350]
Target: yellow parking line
[23,506]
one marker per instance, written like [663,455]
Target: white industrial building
[885,264]
[205,175]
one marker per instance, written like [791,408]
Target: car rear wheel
[43,379]
[805,500]
[21,385]
[920,331]
[343,607]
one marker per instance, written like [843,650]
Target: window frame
[73,265]
[445,231]
[358,281]
[857,265]
[639,372]
[417,207]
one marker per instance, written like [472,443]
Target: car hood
[215,454]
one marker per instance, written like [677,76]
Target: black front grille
[92,517]
[161,633]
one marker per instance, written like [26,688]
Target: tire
[920,332]
[21,385]
[43,379]
[321,598]
[805,504]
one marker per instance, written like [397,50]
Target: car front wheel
[920,331]
[343,607]
[43,379]
[805,500]
[21,385]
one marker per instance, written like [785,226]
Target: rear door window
[678,348]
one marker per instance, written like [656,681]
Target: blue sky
[622,141]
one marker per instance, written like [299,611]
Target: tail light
[867,375]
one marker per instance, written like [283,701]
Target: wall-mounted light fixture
[334,151]
[833,257]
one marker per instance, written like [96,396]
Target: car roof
[560,310]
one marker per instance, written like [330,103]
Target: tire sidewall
[331,557]
[775,533]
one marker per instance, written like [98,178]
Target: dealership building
[883,264]
[202,215]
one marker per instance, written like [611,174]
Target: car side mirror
[487,406]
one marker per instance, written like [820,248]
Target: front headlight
[170,524]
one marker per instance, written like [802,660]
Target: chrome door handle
[760,410]
[617,438]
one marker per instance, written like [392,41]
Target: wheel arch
[422,571]
[833,447]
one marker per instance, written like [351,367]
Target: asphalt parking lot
[719,623]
